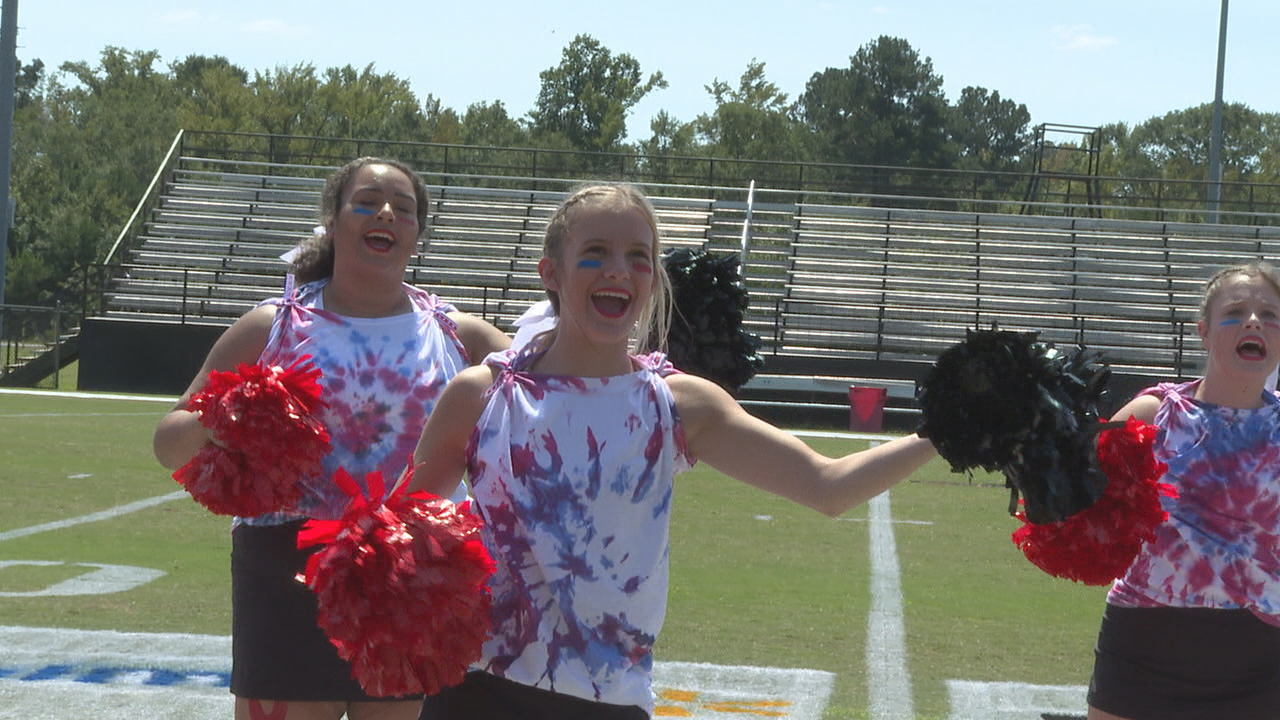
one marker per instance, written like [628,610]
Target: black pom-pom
[706,336]
[1003,401]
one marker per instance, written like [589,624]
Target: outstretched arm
[728,438]
[441,456]
[179,436]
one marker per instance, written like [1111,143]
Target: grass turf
[755,580]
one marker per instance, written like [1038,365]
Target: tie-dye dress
[1220,547]
[574,479]
[380,377]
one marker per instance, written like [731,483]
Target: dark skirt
[1186,664]
[278,650]
[482,695]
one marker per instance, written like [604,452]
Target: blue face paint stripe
[590,264]
[361,211]
[1229,321]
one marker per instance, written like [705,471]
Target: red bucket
[866,408]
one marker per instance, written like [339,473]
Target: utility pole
[8,81]
[1215,141]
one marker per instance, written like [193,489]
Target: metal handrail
[149,196]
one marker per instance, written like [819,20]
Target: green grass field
[755,580]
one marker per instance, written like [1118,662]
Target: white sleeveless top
[574,479]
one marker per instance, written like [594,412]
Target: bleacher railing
[1161,199]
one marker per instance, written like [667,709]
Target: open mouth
[1251,348]
[380,241]
[611,303]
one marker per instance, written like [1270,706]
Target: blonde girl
[1192,630]
[570,446]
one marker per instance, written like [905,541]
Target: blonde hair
[655,319]
[1255,269]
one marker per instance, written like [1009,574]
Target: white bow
[290,254]
[539,318]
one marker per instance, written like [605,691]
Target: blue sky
[1087,62]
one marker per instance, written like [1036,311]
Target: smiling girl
[385,349]
[570,445]
[1192,630]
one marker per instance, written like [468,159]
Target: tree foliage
[886,108]
[585,99]
[89,135]
[989,132]
[753,121]
[1176,144]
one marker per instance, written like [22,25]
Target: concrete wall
[142,357]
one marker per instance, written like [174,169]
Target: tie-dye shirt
[574,477]
[1220,547]
[380,379]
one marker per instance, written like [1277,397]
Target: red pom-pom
[401,588]
[266,419]
[1096,545]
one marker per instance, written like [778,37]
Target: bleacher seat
[826,280]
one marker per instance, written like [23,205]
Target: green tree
[489,124]
[1165,160]
[367,104]
[667,154]
[27,83]
[1178,142]
[989,132]
[753,121]
[215,95]
[585,99]
[886,108]
[283,108]
[84,152]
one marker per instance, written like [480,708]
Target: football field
[114,590]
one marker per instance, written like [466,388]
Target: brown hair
[314,259]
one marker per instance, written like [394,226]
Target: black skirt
[486,696]
[1186,664]
[278,650]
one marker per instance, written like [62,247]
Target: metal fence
[30,350]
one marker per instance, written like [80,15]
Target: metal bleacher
[841,291]
[211,246]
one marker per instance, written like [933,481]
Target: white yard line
[108,514]
[888,680]
[88,395]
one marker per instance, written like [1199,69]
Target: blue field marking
[119,674]
[79,672]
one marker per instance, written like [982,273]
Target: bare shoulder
[464,398]
[701,402]
[245,340]
[692,389]
[240,344]
[478,336]
[476,377]
[259,318]
[1143,407]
